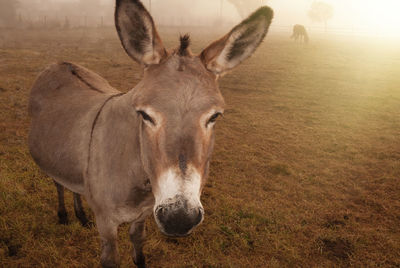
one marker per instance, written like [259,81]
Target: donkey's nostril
[178,221]
[159,210]
[199,217]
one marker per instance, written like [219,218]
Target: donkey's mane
[185,43]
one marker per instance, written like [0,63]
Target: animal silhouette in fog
[146,151]
[300,32]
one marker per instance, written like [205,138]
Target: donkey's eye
[213,118]
[146,117]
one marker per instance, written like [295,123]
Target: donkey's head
[178,102]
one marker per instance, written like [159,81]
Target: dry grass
[305,172]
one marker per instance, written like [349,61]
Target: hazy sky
[380,15]
[375,16]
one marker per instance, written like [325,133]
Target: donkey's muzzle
[176,219]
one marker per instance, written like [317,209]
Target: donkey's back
[64,103]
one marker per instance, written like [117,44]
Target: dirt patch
[279,169]
[12,248]
[337,248]
[335,223]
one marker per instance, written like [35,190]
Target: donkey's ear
[239,44]
[137,32]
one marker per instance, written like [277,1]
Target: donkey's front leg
[108,231]
[137,234]
[62,212]
[80,212]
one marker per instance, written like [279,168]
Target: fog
[367,17]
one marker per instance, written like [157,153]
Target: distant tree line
[8,12]
[50,13]
[66,14]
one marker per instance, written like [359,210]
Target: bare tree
[8,12]
[321,12]
[245,7]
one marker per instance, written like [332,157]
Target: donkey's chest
[128,212]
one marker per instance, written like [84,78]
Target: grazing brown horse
[299,31]
[146,151]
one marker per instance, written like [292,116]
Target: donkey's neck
[116,135]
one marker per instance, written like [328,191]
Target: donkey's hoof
[63,219]
[140,264]
[88,224]
[109,264]
[143,265]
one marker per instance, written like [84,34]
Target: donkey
[299,31]
[146,151]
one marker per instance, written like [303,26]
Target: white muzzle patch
[172,184]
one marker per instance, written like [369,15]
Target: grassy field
[305,172]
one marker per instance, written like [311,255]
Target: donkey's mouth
[175,235]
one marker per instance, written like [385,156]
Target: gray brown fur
[98,142]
